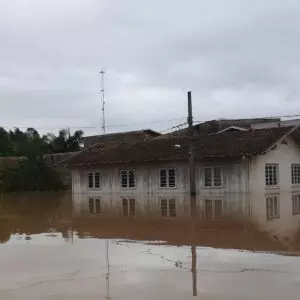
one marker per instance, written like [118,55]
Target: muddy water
[47,254]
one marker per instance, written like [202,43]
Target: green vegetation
[30,172]
[31,144]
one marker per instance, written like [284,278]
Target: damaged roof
[223,145]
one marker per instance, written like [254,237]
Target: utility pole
[191,158]
[190,112]
[102,101]
[192,176]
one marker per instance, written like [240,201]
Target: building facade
[248,175]
[222,188]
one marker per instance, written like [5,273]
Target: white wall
[234,191]
[284,155]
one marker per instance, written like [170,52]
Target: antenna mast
[102,101]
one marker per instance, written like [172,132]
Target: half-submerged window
[127,178]
[94,180]
[212,177]
[167,178]
[295,173]
[271,174]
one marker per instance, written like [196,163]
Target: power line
[94,127]
[140,123]
[150,122]
[174,127]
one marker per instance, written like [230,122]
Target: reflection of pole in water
[194,269]
[107,270]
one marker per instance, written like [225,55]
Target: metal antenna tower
[102,101]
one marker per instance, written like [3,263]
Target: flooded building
[246,174]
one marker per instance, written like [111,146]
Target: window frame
[93,173]
[171,212]
[295,205]
[295,174]
[270,186]
[270,215]
[212,170]
[167,169]
[127,179]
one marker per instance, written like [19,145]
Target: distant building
[214,126]
[279,123]
[250,174]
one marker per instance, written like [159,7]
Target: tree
[65,142]
[30,171]
[30,144]
[6,147]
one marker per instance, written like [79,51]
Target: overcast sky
[240,58]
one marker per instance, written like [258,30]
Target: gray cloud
[240,58]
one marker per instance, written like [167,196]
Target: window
[94,180]
[272,203]
[296,204]
[168,207]
[271,173]
[167,178]
[95,206]
[128,178]
[296,174]
[212,177]
[128,206]
[213,209]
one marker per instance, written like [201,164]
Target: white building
[248,174]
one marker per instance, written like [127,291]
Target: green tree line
[30,172]
[30,143]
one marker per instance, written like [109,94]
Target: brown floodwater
[47,253]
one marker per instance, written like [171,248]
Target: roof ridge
[123,132]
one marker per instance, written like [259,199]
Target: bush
[30,175]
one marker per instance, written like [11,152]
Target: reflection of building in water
[247,174]
[160,205]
